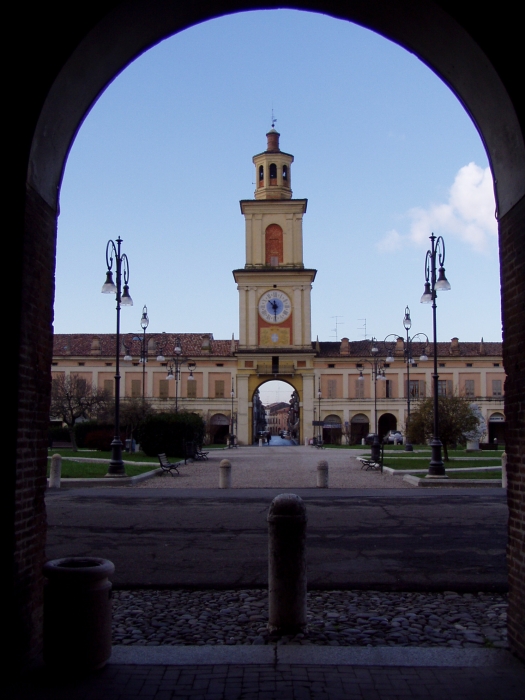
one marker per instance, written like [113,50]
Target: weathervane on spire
[273,120]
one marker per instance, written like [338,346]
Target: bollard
[225,474]
[287,564]
[77,613]
[504,470]
[260,442]
[322,474]
[55,471]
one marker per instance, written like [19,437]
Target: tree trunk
[445,453]
[72,438]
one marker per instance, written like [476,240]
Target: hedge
[167,432]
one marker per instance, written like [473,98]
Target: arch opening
[70,98]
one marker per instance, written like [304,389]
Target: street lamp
[433,285]
[377,373]
[407,323]
[174,368]
[116,465]
[408,357]
[144,322]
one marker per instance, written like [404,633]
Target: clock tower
[274,286]
[274,290]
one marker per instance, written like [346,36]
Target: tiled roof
[204,345]
[362,348]
[103,345]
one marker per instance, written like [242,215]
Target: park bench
[166,465]
[194,452]
[369,463]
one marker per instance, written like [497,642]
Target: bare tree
[456,417]
[73,397]
[133,411]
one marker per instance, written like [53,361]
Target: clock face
[275,306]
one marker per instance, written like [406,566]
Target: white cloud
[468,214]
[391,241]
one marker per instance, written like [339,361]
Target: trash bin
[77,613]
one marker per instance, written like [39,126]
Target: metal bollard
[322,474]
[55,471]
[287,564]
[225,474]
[504,470]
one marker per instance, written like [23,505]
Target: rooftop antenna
[337,324]
[363,327]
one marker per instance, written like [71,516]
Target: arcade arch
[279,402]
[386,422]
[68,83]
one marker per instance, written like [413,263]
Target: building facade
[353,388]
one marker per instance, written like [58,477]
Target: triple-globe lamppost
[123,298]
[174,368]
[435,280]
[144,353]
[378,373]
[409,360]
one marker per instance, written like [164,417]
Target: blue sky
[383,150]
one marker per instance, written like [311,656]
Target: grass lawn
[474,475]
[91,470]
[99,454]
[422,463]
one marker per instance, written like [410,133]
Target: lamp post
[116,465]
[407,323]
[409,360]
[174,369]
[377,373]
[432,286]
[144,322]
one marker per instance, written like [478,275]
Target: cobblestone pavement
[335,618]
[278,467]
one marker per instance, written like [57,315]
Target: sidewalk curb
[313,655]
[452,483]
[107,480]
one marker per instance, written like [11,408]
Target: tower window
[285,173]
[261,176]
[273,174]
[274,245]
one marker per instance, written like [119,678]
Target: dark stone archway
[65,63]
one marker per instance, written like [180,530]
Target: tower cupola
[273,170]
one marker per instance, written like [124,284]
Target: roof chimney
[345,347]
[454,346]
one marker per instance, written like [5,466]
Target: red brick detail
[512,261]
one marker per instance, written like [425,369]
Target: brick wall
[512,259]
[35,352]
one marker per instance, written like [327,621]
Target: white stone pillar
[243,428]
[297,317]
[307,408]
[252,317]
